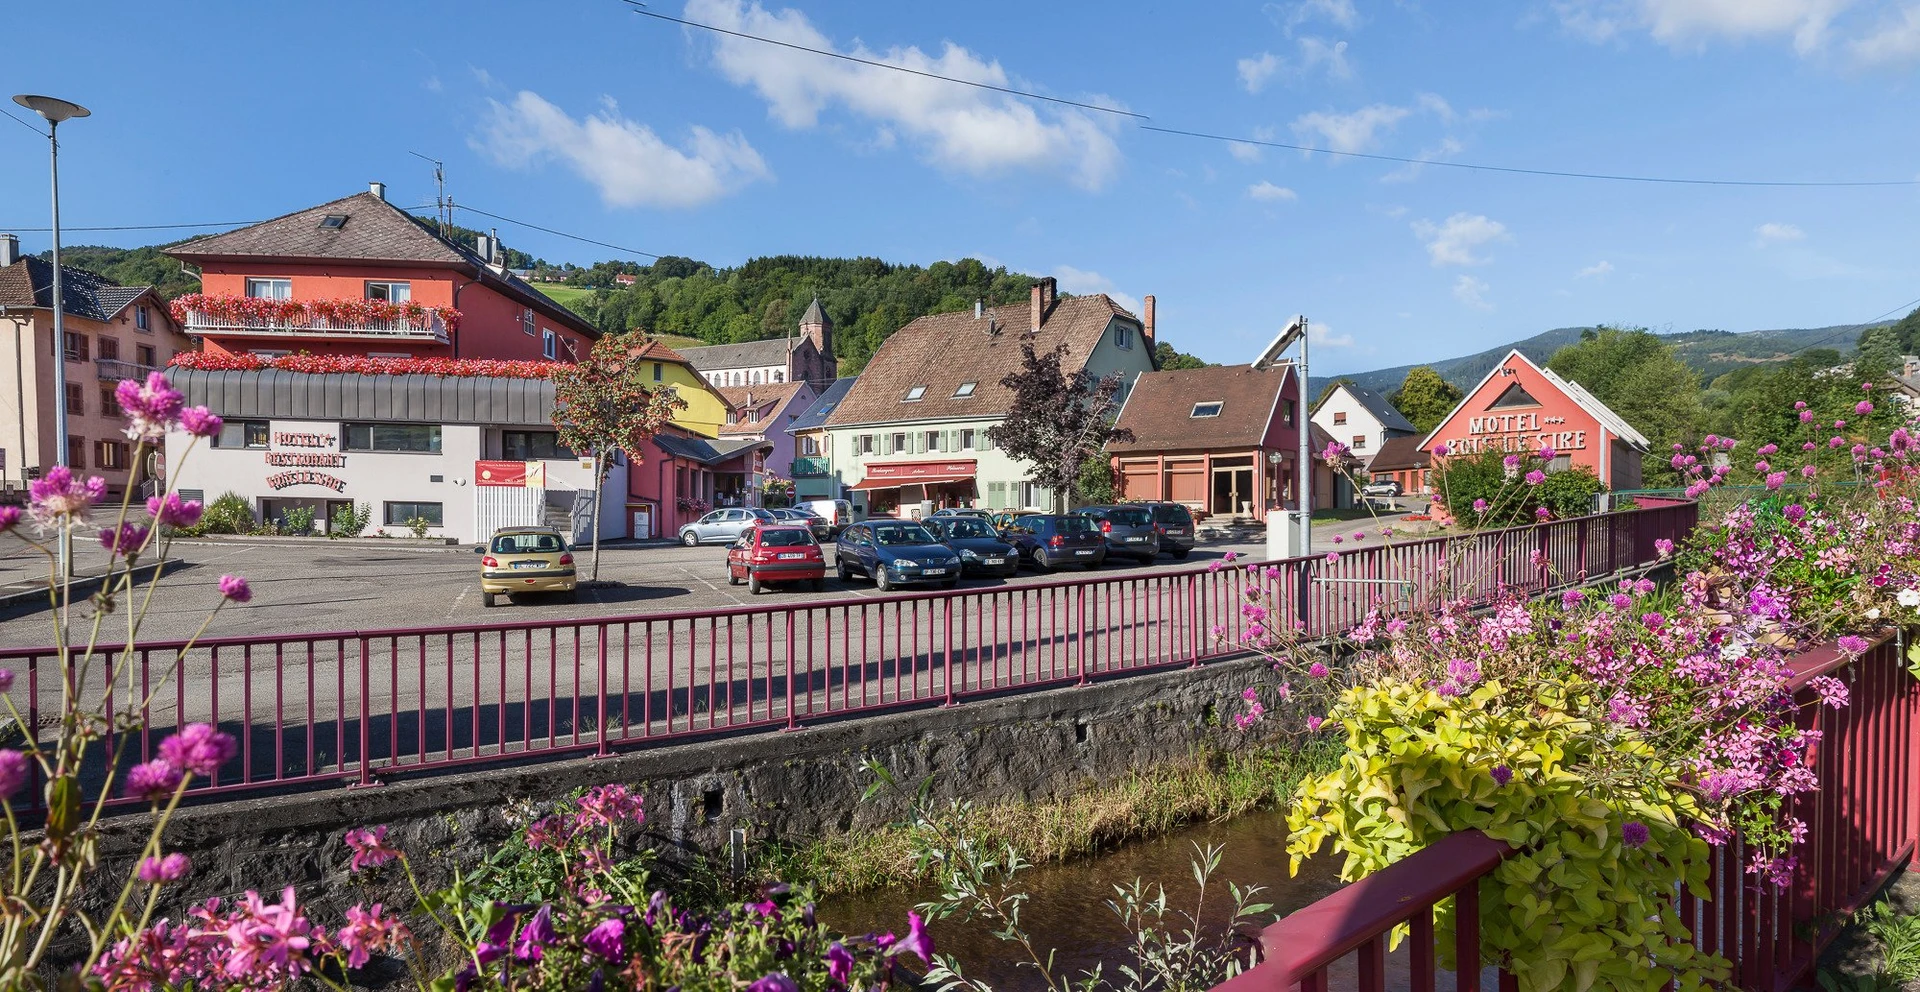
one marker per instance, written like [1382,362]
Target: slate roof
[1399,454]
[29,283]
[815,416]
[943,351]
[1375,404]
[814,314]
[1159,410]
[744,355]
[375,231]
[705,452]
[418,399]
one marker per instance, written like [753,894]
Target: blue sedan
[894,553]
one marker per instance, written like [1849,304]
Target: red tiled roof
[1159,411]
[770,397]
[1400,453]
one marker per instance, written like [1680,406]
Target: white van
[838,513]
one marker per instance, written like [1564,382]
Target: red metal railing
[1862,826]
[358,706]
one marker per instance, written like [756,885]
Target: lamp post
[1303,465]
[54,110]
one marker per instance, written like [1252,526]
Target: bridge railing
[1862,826]
[354,707]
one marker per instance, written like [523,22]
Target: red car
[775,553]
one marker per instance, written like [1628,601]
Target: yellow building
[706,410]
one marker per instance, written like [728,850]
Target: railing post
[366,717]
[602,751]
[1197,628]
[946,617]
[1580,535]
[793,722]
[1080,623]
[1546,560]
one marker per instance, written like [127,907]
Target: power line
[23,123]
[882,65]
[549,230]
[1855,328]
[1525,172]
[130,227]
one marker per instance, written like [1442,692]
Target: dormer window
[1210,409]
[333,222]
[965,390]
[914,395]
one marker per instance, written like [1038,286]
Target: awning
[896,474]
[932,480]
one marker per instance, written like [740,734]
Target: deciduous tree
[1425,398]
[608,402]
[1058,419]
[1638,376]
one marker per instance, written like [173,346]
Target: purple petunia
[607,939]
[1501,775]
[1633,833]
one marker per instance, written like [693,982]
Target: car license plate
[1083,552]
[933,571]
[792,555]
[994,561]
[1136,540]
[529,564]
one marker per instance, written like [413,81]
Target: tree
[1058,419]
[606,403]
[1096,483]
[1425,398]
[1639,377]
[1167,358]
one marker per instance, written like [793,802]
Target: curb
[392,542]
[85,585]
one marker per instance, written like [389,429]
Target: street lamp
[55,110]
[1303,465]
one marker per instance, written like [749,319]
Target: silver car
[724,526]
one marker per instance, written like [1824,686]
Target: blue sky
[587,118]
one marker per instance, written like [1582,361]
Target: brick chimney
[1046,292]
[1146,319]
[1036,309]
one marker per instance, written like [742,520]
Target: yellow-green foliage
[1576,907]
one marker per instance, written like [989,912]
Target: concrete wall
[777,786]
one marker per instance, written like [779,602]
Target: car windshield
[1172,513]
[1072,525]
[784,537]
[1130,516]
[762,514]
[899,534]
[969,527]
[527,544]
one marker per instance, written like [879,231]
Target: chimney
[1146,319]
[1037,308]
[499,256]
[378,189]
[9,250]
[979,307]
[483,247]
[1051,293]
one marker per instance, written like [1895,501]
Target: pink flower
[6,680]
[370,930]
[1542,513]
[839,963]
[1442,450]
[269,940]
[1806,416]
[1767,449]
[1808,471]
[1799,404]
[1332,557]
[607,805]
[235,588]
[1479,506]
[916,942]
[199,749]
[607,940]
[9,518]
[1314,724]
[13,772]
[1535,477]
[1511,461]
[1863,408]
[151,407]
[1249,694]
[1831,691]
[153,781]
[370,848]
[1317,670]
[172,511]
[161,870]
[58,494]
[124,540]
[1547,454]
[200,422]
[1776,480]
[1852,645]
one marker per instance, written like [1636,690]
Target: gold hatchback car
[525,559]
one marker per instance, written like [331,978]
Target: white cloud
[625,160]
[433,84]
[960,128]
[1454,241]
[1895,39]
[1082,282]
[1472,292]
[1691,23]
[1595,270]
[1773,233]
[1354,132]
[1318,53]
[1447,148]
[1244,151]
[1292,15]
[1256,70]
[1436,105]
[1323,336]
[1267,192]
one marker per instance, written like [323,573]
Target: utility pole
[442,207]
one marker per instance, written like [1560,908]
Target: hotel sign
[281,480]
[1516,432]
[309,450]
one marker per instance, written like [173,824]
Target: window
[1339,418]
[809,445]
[934,442]
[76,399]
[334,222]
[142,320]
[111,454]
[779,376]
[659,372]
[863,445]
[730,416]
[899,443]
[914,394]
[242,434]
[966,439]
[1560,463]
[145,355]
[1206,409]
[76,452]
[423,438]
[392,292]
[270,289]
[403,514]
[526,446]
[109,348]
[76,347]
[964,390]
[1123,336]
[109,403]
[549,343]
[1514,396]
[1359,442]
[526,322]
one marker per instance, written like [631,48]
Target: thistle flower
[151,406]
[1852,645]
[124,540]
[59,495]
[161,870]
[200,422]
[172,511]
[9,518]
[235,588]
[153,781]
[199,750]
[13,772]
[1535,477]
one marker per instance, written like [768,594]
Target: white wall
[1360,421]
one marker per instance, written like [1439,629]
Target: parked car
[776,553]
[822,531]
[1386,488]
[525,559]
[977,543]
[1174,522]
[1005,518]
[894,553]
[1056,540]
[724,525]
[1129,530]
[963,511]
[838,513]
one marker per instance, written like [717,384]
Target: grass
[566,296]
[1150,803]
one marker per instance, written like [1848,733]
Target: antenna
[442,204]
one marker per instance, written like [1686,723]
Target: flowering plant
[228,308]
[495,368]
[692,504]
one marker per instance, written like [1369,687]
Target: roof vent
[378,189]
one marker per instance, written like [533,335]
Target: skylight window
[1206,409]
[965,390]
[333,222]
[915,394]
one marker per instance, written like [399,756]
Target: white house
[1360,419]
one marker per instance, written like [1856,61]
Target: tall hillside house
[113,333]
[764,413]
[359,276]
[1361,419]
[1221,440]
[807,358]
[812,467]
[912,431]
[1520,406]
[706,410]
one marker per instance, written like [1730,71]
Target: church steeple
[818,330]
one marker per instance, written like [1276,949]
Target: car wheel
[1181,553]
[753,584]
[690,539]
[1040,561]
[732,579]
[487,600]
[880,579]
[841,570]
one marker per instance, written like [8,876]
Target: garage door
[1139,480]
[1187,482]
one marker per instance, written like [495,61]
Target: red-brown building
[359,276]
[1520,406]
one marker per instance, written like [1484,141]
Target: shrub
[1484,490]
[229,514]
[350,521]
[298,520]
[419,526]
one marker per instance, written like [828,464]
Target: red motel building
[1520,406]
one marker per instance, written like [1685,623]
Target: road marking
[457,600]
[703,581]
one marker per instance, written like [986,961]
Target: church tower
[818,367]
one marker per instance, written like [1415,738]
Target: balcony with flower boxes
[227,315]
[811,467]
[114,370]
